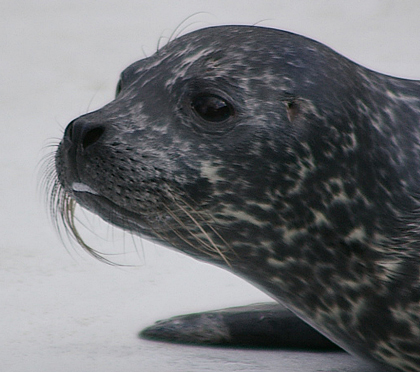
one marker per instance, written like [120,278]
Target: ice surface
[62,310]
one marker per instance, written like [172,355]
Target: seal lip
[81,187]
[95,202]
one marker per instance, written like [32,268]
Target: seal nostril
[92,136]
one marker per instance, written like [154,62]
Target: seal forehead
[222,52]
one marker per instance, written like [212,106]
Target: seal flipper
[260,325]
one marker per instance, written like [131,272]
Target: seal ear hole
[212,108]
[293,110]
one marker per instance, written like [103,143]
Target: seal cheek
[200,191]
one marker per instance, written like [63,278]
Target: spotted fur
[309,189]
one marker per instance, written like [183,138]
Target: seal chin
[81,187]
[117,215]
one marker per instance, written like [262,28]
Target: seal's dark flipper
[258,325]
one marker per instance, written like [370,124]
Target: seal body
[268,154]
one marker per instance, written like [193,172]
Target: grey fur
[309,189]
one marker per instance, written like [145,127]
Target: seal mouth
[110,211]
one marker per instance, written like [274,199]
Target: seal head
[268,154]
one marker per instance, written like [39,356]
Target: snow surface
[60,309]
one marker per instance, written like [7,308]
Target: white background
[61,310]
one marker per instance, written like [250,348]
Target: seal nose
[82,133]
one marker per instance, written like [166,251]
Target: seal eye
[212,108]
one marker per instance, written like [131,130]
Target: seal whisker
[211,247]
[206,220]
[68,215]
[144,51]
[62,210]
[159,46]
[178,30]
[163,235]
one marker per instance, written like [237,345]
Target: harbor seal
[270,155]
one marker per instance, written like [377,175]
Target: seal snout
[81,133]
[77,150]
